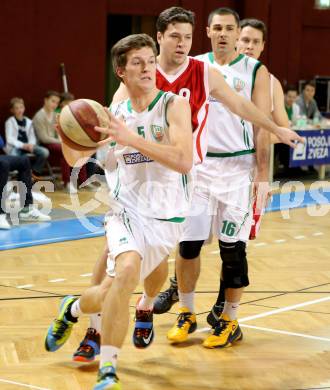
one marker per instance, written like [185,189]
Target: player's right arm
[176,155]
[246,109]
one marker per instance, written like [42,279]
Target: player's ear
[120,72]
[208,31]
[159,36]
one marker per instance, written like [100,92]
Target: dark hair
[50,93]
[257,24]
[310,83]
[174,15]
[122,47]
[223,11]
[290,87]
[66,96]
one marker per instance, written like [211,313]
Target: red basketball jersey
[191,82]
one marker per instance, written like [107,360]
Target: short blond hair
[16,100]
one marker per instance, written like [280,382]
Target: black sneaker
[213,317]
[143,331]
[167,298]
[89,347]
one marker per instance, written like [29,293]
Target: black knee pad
[190,249]
[234,264]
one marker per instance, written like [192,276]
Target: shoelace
[142,316]
[182,318]
[220,327]
[59,328]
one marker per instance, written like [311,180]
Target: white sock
[109,354]
[146,303]
[95,321]
[75,309]
[187,300]
[230,308]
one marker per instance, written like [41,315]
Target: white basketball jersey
[137,182]
[230,135]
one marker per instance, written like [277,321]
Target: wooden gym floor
[285,318]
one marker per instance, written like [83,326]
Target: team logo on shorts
[157,132]
[238,84]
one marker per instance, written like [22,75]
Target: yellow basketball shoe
[224,334]
[185,324]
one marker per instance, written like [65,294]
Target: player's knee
[234,264]
[190,249]
[127,277]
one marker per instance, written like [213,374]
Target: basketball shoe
[166,299]
[143,334]
[60,329]
[185,324]
[89,347]
[107,378]
[214,315]
[224,334]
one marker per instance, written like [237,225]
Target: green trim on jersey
[211,56]
[233,154]
[254,74]
[153,103]
[245,135]
[174,219]
[166,106]
[185,186]
[237,59]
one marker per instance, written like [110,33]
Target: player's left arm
[246,109]
[176,155]
[262,99]
[279,114]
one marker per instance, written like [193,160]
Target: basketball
[77,121]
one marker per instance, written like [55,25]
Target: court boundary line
[23,384]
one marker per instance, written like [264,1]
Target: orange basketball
[77,121]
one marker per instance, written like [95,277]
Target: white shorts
[222,201]
[153,239]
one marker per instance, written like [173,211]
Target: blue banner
[315,151]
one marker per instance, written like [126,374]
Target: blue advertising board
[315,150]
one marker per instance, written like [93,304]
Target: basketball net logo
[157,132]
[238,84]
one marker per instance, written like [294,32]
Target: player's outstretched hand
[289,137]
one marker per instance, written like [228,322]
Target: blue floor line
[71,229]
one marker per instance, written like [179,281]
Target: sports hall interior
[285,311]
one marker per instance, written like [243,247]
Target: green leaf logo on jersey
[238,84]
[157,132]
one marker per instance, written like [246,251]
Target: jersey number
[141,131]
[228,228]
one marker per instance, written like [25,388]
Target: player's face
[290,97]
[140,69]
[175,43]
[251,42]
[18,110]
[223,32]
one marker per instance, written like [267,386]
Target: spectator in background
[21,164]
[44,123]
[291,107]
[307,104]
[21,139]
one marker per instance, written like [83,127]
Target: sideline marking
[23,384]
